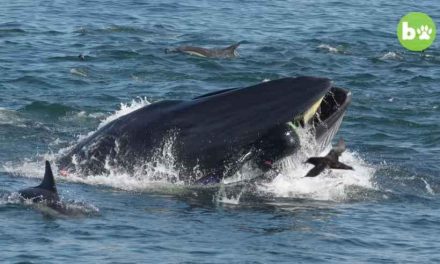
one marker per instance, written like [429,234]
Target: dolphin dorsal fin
[48,182]
[234,46]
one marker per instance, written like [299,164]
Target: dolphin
[228,52]
[331,160]
[210,137]
[45,192]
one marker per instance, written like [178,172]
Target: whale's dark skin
[215,133]
[46,191]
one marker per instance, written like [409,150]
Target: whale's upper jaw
[224,122]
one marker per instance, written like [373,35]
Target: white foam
[158,177]
[328,48]
[10,198]
[34,168]
[125,108]
[391,56]
[162,174]
[330,185]
[79,72]
[428,187]
[223,198]
[83,115]
[11,117]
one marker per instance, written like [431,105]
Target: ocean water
[386,211]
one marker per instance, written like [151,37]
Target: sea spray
[161,173]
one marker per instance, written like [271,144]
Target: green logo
[416,31]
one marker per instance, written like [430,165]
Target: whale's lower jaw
[326,130]
[324,138]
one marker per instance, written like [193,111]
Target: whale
[45,192]
[228,52]
[210,137]
[329,161]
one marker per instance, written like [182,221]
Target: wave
[10,117]
[118,53]
[47,108]
[391,56]
[402,183]
[31,81]
[118,29]
[331,49]
[82,115]
[11,29]
[75,58]
[124,109]
[68,208]
[79,72]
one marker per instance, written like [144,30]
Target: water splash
[330,49]
[332,185]
[33,167]
[391,56]
[161,173]
[428,187]
[11,117]
[223,197]
[79,72]
[124,109]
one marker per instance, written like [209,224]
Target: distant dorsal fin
[234,46]
[48,182]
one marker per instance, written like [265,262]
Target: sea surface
[385,211]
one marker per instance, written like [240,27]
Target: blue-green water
[386,211]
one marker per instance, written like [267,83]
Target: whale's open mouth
[328,116]
[326,111]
